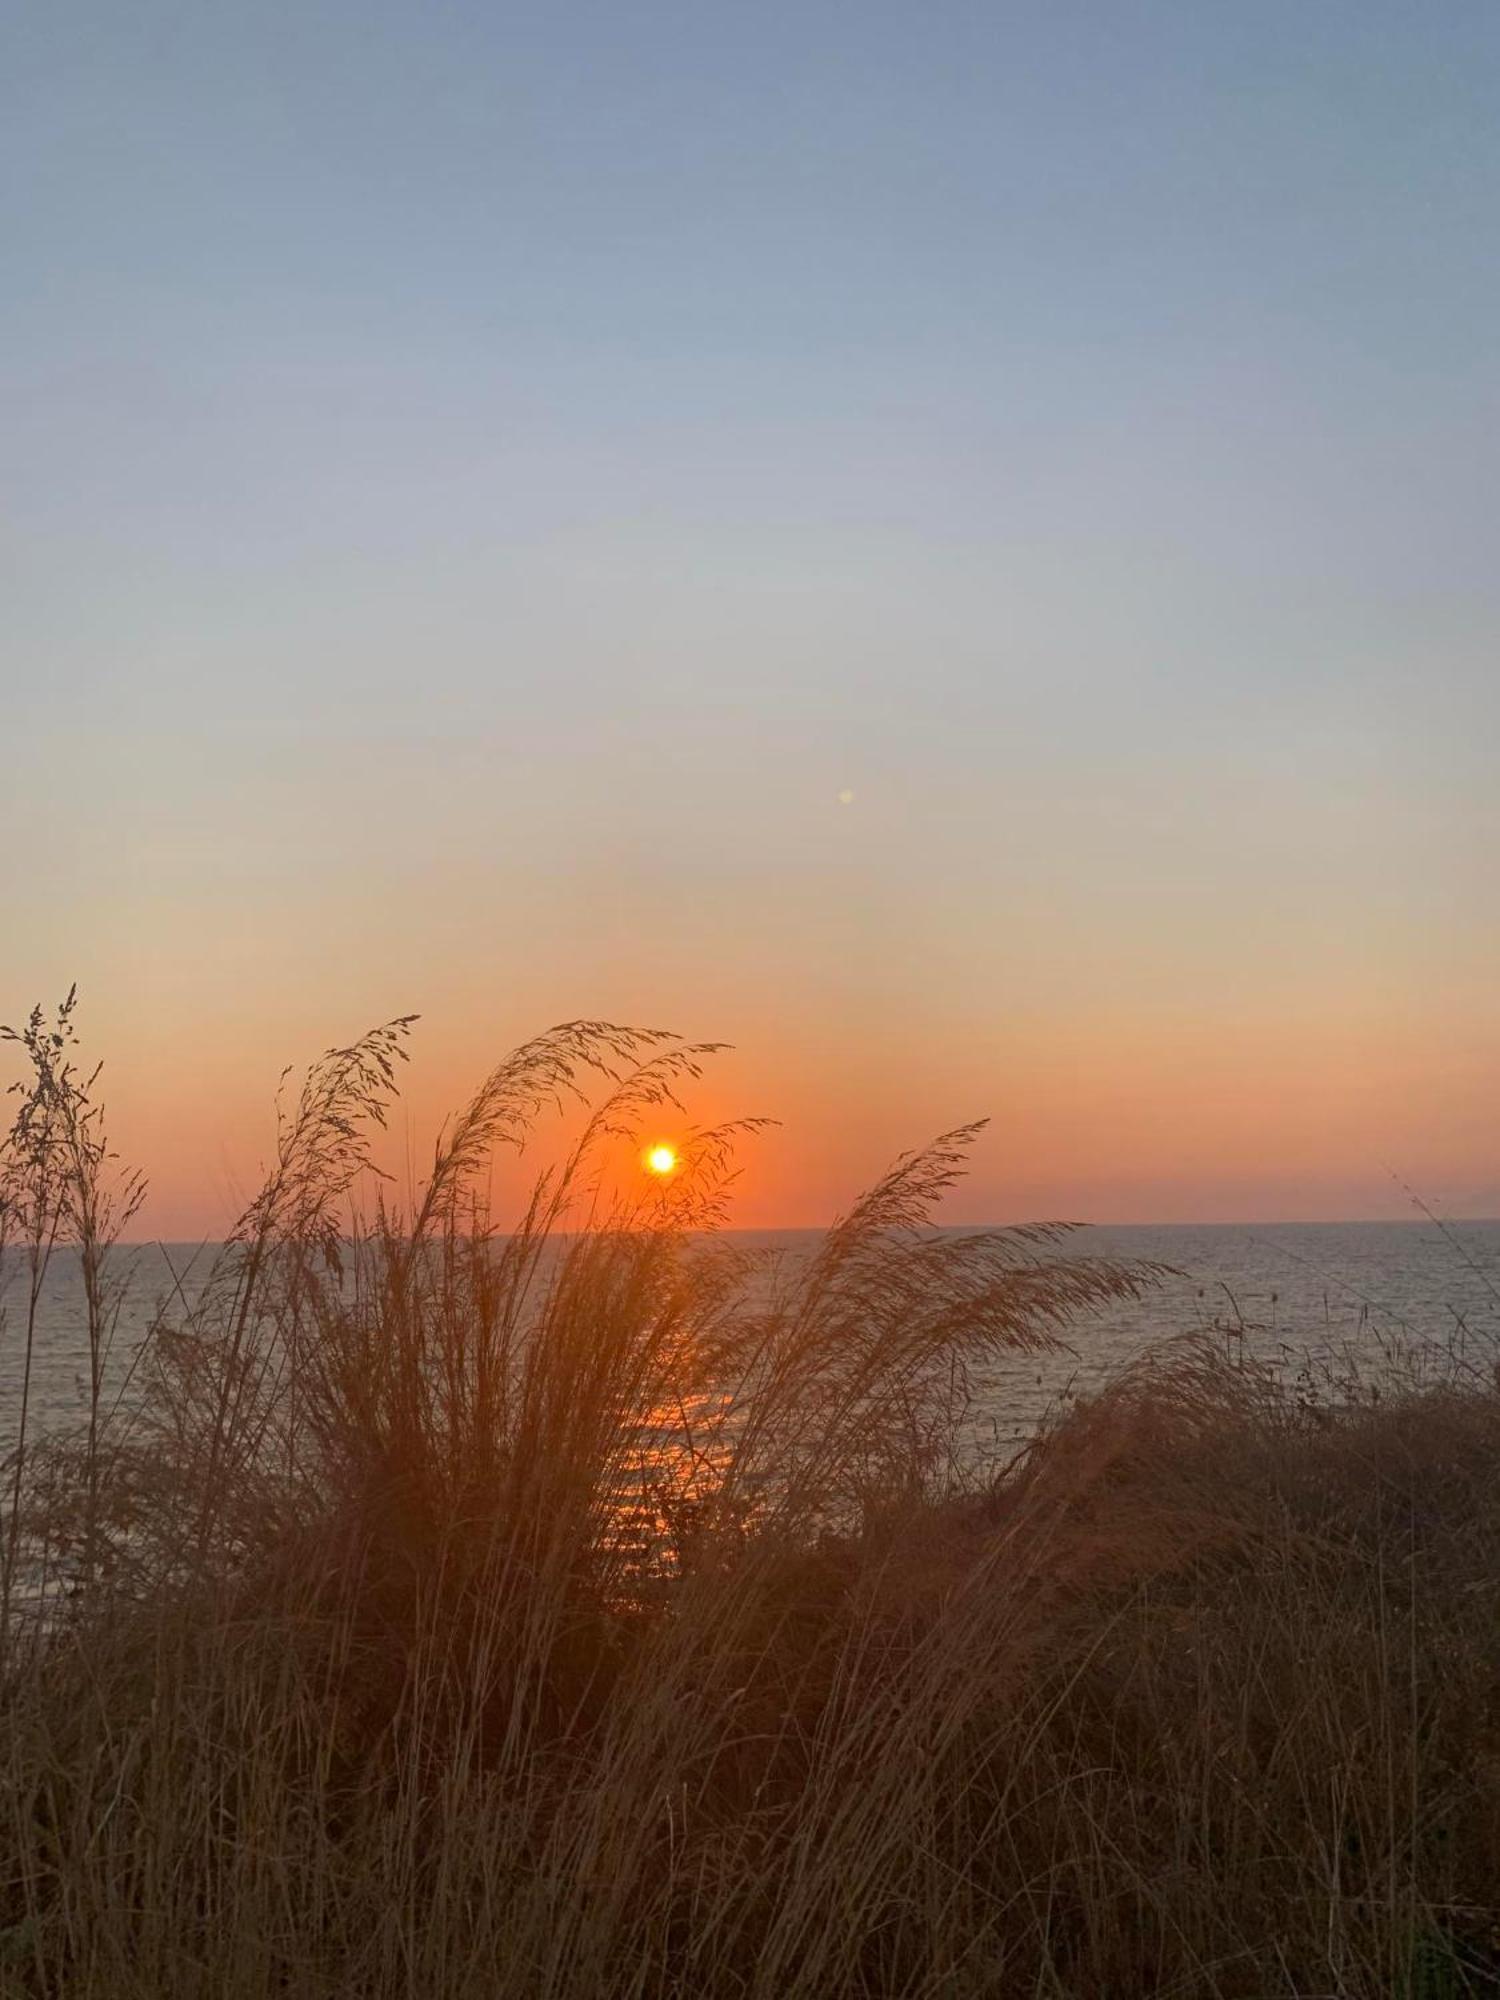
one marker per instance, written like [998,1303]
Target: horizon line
[819,1228]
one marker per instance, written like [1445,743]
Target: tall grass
[570,1603]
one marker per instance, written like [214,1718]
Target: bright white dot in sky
[846,798]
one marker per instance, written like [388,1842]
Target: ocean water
[1303,1297]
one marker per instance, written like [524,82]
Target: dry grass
[587,1610]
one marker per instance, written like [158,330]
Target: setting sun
[661,1160]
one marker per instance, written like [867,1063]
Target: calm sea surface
[1291,1294]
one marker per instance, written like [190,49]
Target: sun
[661,1159]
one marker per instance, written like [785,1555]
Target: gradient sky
[480,481]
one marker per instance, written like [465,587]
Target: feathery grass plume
[864,1373]
[220,1379]
[61,1188]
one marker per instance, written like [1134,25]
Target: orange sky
[1101,1113]
[1254,992]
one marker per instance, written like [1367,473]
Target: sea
[1312,1301]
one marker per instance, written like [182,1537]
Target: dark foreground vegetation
[588,1610]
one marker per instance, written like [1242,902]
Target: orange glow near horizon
[1105,1113]
[1151,1043]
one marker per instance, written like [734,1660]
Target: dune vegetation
[573,1603]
